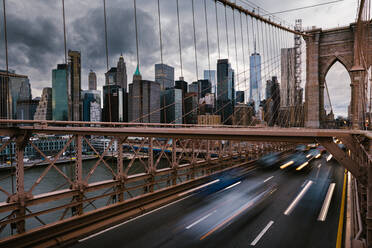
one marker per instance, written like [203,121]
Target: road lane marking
[329,157]
[231,186]
[201,186]
[269,178]
[254,242]
[227,220]
[200,220]
[341,219]
[298,198]
[130,220]
[327,201]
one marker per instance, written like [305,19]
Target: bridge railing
[74,174]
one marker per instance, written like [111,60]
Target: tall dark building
[121,74]
[240,97]
[115,104]
[92,80]
[75,103]
[191,108]
[205,87]
[171,104]
[182,85]
[225,91]
[60,93]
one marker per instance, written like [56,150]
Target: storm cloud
[35,36]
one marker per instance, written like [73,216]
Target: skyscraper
[225,91]
[205,87]
[164,74]
[14,88]
[240,97]
[171,104]
[121,74]
[88,97]
[272,101]
[144,100]
[92,80]
[111,76]
[115,104]
[75,85]
[60,92]
[255,80]
[211,76]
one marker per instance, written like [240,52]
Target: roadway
[267,208]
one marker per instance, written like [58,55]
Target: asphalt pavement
[266,208]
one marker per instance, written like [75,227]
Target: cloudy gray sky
[35,38]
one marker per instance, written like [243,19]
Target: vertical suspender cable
[243,48]
[206,31]
[107,60]
[236,53]
[9,115]
[136,29]
[106,46]
[227,35]
[218,32]
[193,25]
[64,29]
[162,65]
[179,37]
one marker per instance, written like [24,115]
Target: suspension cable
[243,48]
[64,29]
[218,32]
[179,38]
[206,31]
[136,28]
[236,52]
[227,35]
[196,55]
[106,45]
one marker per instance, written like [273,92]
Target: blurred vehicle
[314,145]
[301,148]
[295,160]
[269,160]
[313,153]
[321,149]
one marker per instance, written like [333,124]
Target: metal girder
[344,160]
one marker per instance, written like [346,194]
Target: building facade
[171,106]
[225,91]
[60,93]
[92,80]
[75,104]
[44,109]
[255,79]
[121,74]
[26,109]
[211,76]
[164,75]
[115,104]
[13,88]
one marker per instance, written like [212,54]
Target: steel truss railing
[157,158]
[156,161]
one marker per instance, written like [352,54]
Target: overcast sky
[35,38]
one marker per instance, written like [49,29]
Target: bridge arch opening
[337,94]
